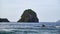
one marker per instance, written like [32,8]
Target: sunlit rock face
[28,16]
[4,20]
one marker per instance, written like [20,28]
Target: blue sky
[47,10]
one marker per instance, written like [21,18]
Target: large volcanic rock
[4,20]
[28,16]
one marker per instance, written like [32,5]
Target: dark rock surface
[4,20]
[43,25]
[28,16]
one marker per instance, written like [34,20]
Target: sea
[29,28]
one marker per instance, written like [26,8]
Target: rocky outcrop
[4,20]
[43,25]
[28,16]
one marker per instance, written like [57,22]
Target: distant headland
[4,20]
[58,21]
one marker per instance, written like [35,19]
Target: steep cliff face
[28,16]
[4,20]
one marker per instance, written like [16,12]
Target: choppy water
[31,31]
[14,28]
